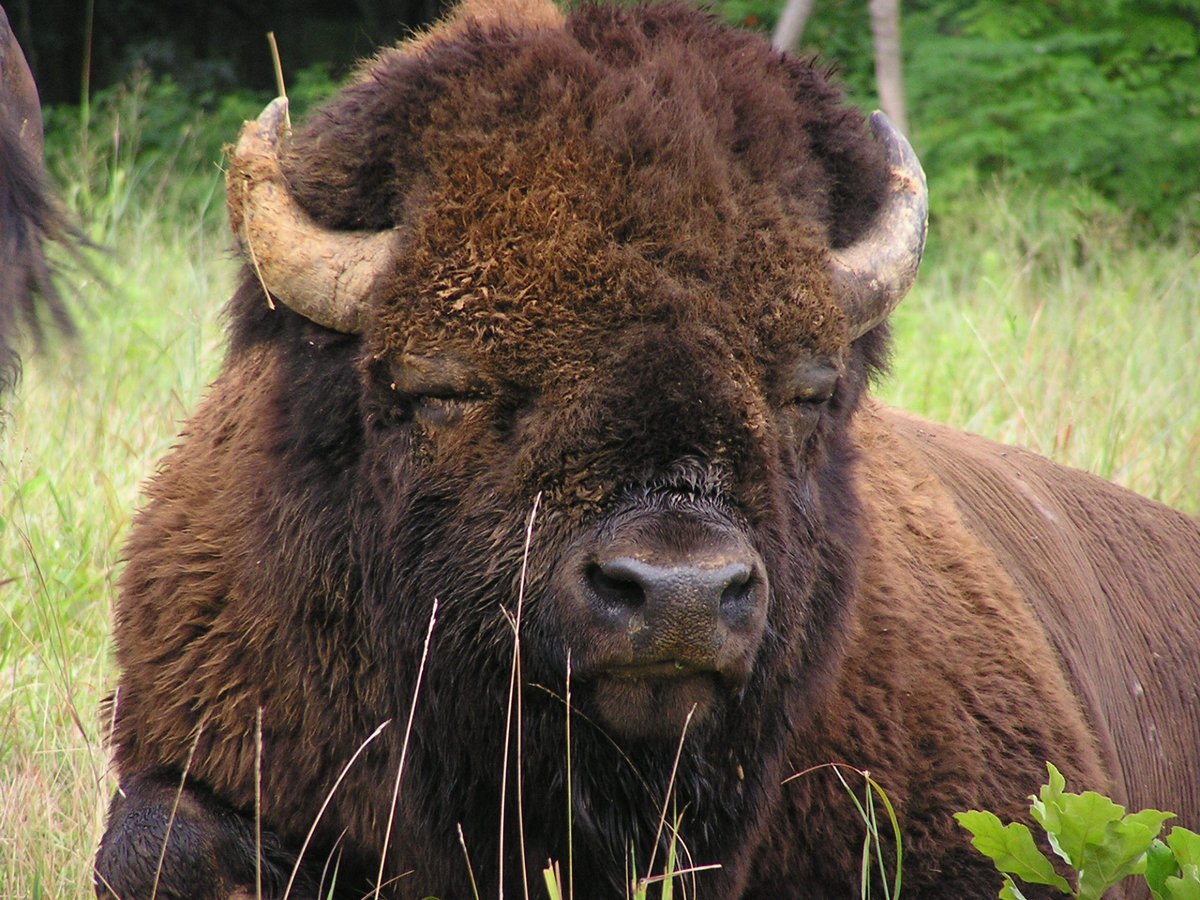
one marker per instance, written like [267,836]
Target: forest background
[1102,91]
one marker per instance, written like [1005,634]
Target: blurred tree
[885,35]
[1107,91]
[1104,92]
[791,24]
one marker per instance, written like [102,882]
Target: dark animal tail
[30,217]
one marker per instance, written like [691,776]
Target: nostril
[739,587]
[616,585]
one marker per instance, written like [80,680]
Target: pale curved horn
[324,275]
[871,276]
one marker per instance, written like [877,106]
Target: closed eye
[814,395]
[436,389]
[810,384]
[435,394]
[435,409]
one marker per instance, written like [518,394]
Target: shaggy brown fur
[616,230]
[29,215]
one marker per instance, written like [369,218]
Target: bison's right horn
[324,275]
[871,276]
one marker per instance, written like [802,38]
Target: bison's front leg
[210,849]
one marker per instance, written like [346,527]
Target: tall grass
[85,428]
[1037,320]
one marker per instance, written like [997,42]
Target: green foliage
[1173,868]
[1102,843]
[153,125]
[1011,848]
[1108,92]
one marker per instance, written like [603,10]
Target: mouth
[666,669]
[655,701]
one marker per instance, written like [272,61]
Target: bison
[29,214]
[542,495]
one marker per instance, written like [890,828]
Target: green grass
[1038,319]
[86,427]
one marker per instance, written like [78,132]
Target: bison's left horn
[324,275]
[872,276]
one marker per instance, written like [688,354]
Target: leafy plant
[1096,837]
[1108,93]
[149,143]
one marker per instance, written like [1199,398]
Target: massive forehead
[577,185]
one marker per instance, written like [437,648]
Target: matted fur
[618,225]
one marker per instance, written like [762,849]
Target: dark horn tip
[875,273]
[900,154]
[268,128]
[274,114]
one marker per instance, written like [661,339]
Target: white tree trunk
[791,24]
[885,29]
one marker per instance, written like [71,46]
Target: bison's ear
[872,275]
[325,275]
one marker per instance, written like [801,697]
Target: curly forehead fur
[631,164]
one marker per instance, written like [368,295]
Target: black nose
[648,594]
[714,587]
[682,589]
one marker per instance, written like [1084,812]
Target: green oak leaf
[1011,848]
[1186,887]
[1186,848]
[1094,835]
[1185,845]
[1073,822]
[1160,865]
[1118,851]
[1010,891]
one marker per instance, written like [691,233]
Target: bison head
[560,323]
[636,274]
